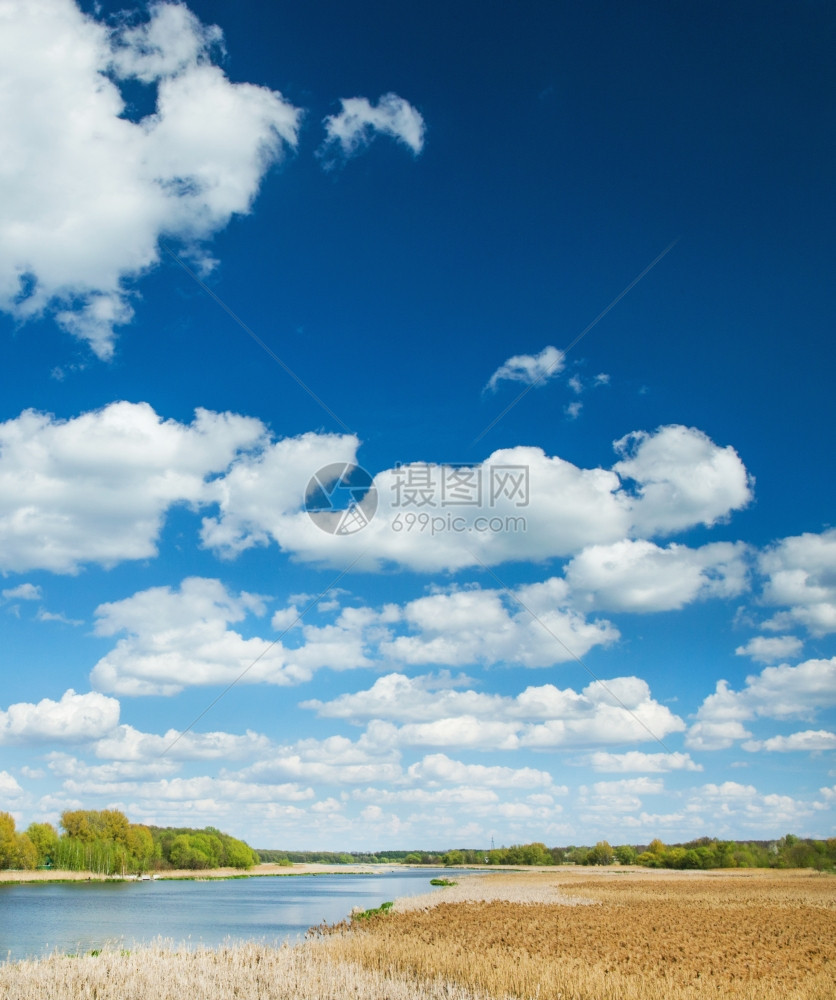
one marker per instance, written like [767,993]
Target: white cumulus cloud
[801,575]
[618,710]
[782,692]
[76,718]
[96,488]
[519,503]
[637,575]
[770,649]
[130,745]
[682,479]
[88,193]
[9,787]
[637,760]
[178,639]
[809,741]
[439,768]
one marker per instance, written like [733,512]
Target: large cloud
[682,478]
[781,692]
[801,574]
[129,745]
[96,488]
[176,639]
[180,639]
[88,192]
[482,626]
[438,768]
[518,504]
[619,710]
[334,760]
[809,741]
[636,575]
[76,718]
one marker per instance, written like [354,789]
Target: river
[38,918]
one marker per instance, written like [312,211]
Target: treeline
[276,857]
[107,843]
[526,854]
[705,853]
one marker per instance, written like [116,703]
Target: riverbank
[56,875]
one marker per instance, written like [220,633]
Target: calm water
[39,918]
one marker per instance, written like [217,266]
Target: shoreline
[38,876]
[563,873]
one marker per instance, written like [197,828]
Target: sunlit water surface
[39,918]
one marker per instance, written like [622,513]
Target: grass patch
[376,911]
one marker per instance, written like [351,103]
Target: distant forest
[706,852]
[107,843]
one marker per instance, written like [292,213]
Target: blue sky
[608,613]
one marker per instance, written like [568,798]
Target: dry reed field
[243,971]
[665,936]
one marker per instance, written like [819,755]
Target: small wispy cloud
[23,592]
[532,369]
[48,616]
[354,128]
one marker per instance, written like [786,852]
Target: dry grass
[685,937]
[244,971]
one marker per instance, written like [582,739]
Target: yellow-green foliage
[16,849]
[107,843]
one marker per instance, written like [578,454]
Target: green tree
[8,841]
[185,852]
[601,854]
[27,855]
[140,846]
[535,854]
[241,855]
[625,854]
[44,837]
[88,825]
